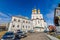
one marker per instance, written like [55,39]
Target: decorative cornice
[36,19]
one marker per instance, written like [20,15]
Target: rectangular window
[18,20]
[18,26]
[13,25]
[26,26]
[38,21]
[14,19]
[26,21]
[23,26]
[33,17]
[23,21]
[29,22]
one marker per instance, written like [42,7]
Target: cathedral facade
[36,23]
[39,25]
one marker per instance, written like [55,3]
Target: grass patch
[58,36]
[2,33]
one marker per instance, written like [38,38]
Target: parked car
[8,36]
[17,37]
[45,31]
[21,34]
[31,31]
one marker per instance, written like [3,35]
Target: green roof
[38,27]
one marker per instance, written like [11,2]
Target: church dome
[34,11]
[38,11]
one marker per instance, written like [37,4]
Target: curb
[52,38]
[48,37]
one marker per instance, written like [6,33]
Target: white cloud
[49,18]
[4,15]
[4,18]
[50,15]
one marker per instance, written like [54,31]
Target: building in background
[39,24]
[20,23]
[57,18]
[4,26]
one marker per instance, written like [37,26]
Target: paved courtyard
[36,36]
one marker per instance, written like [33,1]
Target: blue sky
[10,8]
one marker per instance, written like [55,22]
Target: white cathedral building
[36,22]
[20,23]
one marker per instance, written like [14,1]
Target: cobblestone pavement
[36,36]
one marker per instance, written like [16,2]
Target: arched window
[14,19]
[23,21]
[18,26]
